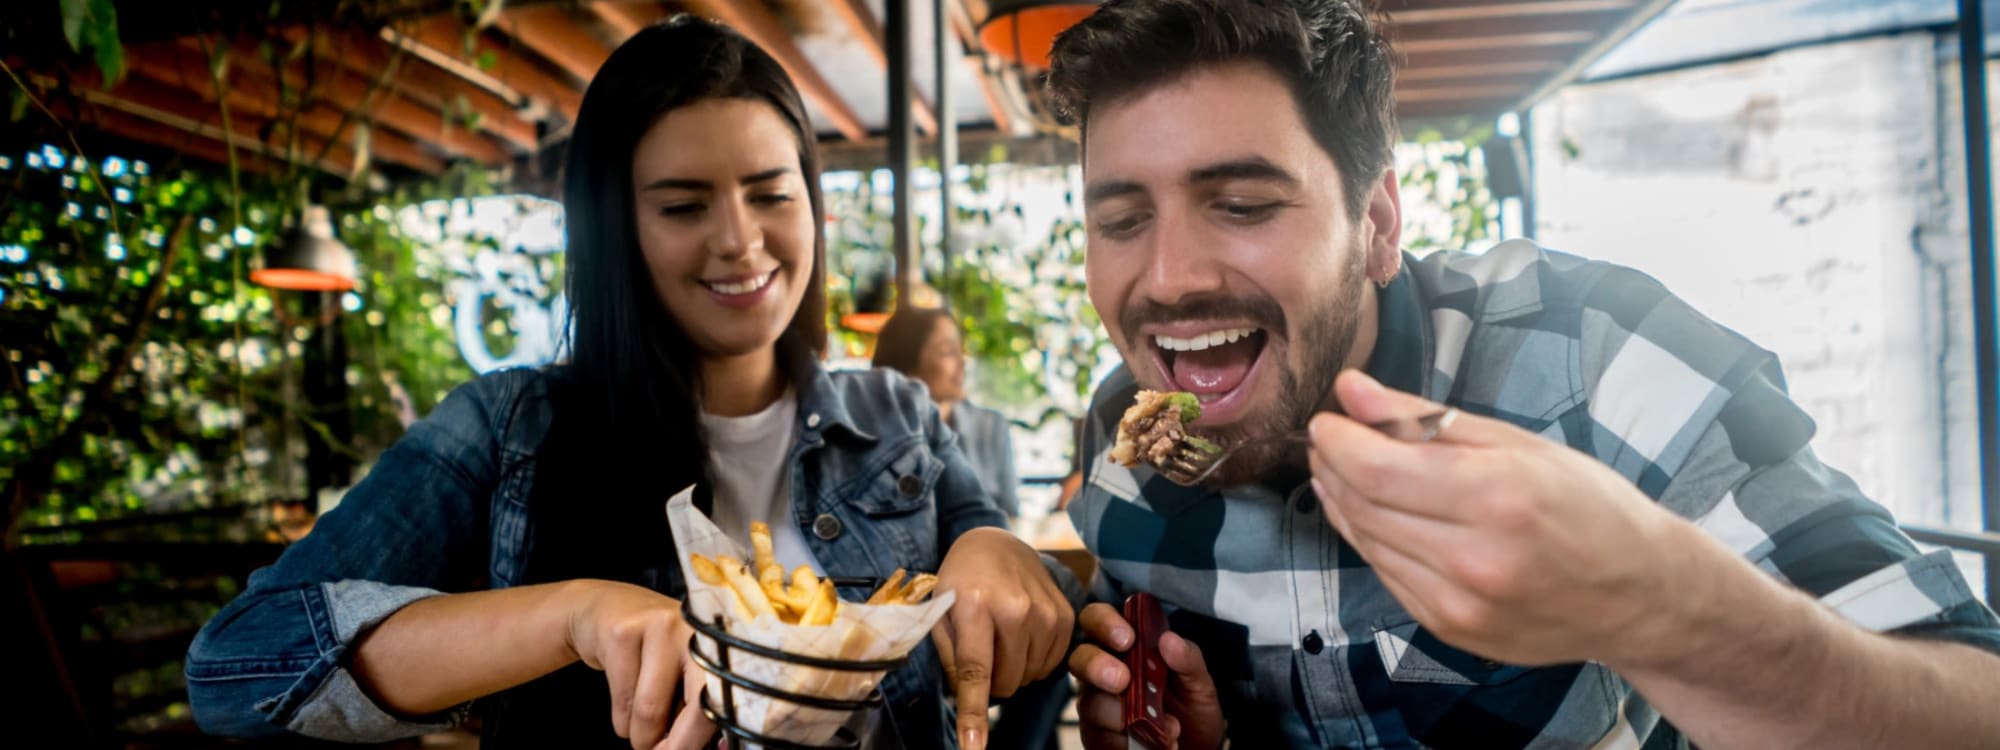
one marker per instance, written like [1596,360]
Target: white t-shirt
[753,481]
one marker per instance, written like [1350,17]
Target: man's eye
[1120,228]
[1248,211]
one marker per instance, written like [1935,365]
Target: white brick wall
[1799,198]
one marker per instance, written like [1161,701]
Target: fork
[1194,460]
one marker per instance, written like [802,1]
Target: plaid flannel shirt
[1309,649]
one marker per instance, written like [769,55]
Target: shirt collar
[1403,345]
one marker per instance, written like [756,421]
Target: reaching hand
[1010,625]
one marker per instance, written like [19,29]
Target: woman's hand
[637,638]
[1010,625]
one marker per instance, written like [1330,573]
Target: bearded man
[1616,535]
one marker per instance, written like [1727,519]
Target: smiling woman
[537,496]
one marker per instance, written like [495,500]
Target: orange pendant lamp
[1022,31]
[313,260]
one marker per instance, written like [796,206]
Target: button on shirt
[1309,649]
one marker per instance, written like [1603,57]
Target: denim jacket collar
[821,408]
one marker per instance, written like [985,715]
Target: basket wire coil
[718,665]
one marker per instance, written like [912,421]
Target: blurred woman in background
[925,344]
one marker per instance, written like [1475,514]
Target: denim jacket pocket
[903,485]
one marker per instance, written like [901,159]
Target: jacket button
[909,485]
[826,526]
[1304,500]
[812,420]
[1313,643]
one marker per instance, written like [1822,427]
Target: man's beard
[1317,350]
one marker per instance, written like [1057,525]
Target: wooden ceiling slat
[625,19]
[180,112]
[553,33]
[1576,39]
[1592,24]
[1405,13]
[186,144]
[445,36]
[968,37]
[1494,69]
[861,20]
[427,84]
[346,90]
[757,23]
[167,66]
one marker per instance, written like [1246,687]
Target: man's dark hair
[1331,53]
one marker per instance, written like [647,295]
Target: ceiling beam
[1498,42]
[346,90]
[172,66]
[861,20]
[1592,23]
[1404,12]
[553,33]
[756,22]
[968,39]
[1495,69]
[427,84]
[625,19]
[181,143]
[442,40]
[184,114]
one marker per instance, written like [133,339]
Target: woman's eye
[680,209]
[773,199]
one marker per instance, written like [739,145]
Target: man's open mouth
[1213,363]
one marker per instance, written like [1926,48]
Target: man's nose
[1180,260]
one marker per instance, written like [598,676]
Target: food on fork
[1155,426]
[807,599]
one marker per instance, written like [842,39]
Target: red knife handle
[1146,694]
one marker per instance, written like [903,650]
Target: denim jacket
[445,509]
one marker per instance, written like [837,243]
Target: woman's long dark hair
[626,430]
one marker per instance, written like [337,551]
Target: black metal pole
[1979,201]
[902,144]
[942,45]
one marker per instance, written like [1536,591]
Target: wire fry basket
[723,711]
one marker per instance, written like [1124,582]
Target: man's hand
[1499,541]
[1009,626]
[1194,714]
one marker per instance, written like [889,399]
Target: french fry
[825,604]
[746,587]
[888,588]
[920,586]
[711,573]
[706,570]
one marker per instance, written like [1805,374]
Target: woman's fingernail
[1121,638]
[972,739]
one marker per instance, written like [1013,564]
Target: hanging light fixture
[1022,31]
[312,260]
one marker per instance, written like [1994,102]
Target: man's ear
[1382,223]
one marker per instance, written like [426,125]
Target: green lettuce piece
[1200,444]
[1190,406]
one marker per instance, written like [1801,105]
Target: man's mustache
[1260,311]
